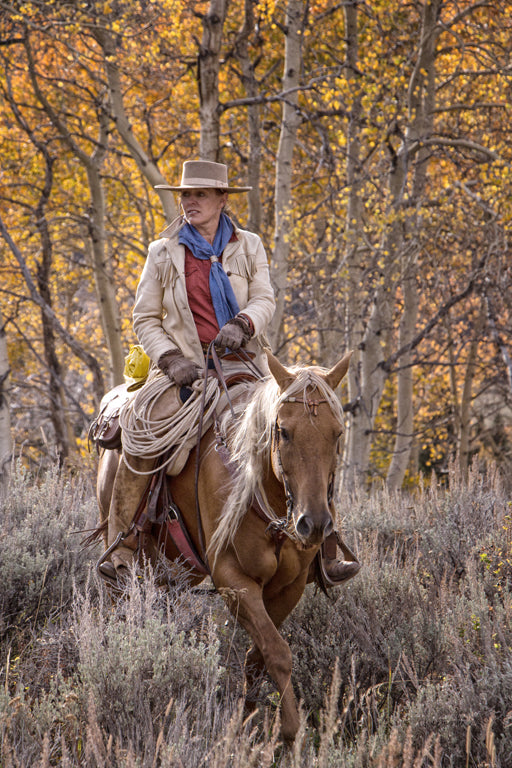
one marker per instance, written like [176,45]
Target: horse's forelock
[308,380]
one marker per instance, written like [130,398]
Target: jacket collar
[176,224]
[173,228]
[177,251]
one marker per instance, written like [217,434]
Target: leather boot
[122,546]
[116,570]
[338,571]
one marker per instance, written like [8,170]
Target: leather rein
[254,373]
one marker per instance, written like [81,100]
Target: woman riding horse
[204,280]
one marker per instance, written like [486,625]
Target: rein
[255,373]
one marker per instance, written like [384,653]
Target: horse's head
[307,430]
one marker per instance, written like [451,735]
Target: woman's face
[202,208]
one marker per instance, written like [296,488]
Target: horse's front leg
[245,599]
[253,672]
[278,607]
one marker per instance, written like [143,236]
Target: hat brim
[205,186]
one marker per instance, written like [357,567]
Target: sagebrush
[409,664]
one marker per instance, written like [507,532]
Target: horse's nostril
[304,526]
[328,528]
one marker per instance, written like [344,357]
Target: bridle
[312,406]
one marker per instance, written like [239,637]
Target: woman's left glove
[179,370]
[235,333]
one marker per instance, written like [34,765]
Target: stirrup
[119,538]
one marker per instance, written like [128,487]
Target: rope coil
[151,438]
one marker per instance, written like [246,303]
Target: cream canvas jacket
[162,318]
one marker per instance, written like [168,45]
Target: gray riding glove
[179,370]
[235,333]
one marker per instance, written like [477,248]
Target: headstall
[312,406]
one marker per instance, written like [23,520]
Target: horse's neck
[274,491]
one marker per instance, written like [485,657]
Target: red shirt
[197,280]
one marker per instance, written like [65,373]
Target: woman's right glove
[235,333]
[179,370]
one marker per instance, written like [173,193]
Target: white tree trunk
[405,410]
[103,278]
[422,88]
[290,122]
[242,48]
[354,313]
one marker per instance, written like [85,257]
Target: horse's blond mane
[249,438]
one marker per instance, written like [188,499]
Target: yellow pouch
[136,366]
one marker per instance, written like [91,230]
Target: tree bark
[404,439]
[253,116]
[421,109]
[43,277]
[5,417]
[208,79]
[353,320]
[290,122]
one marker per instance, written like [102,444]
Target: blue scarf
[223,298]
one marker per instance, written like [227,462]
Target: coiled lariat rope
[152,438]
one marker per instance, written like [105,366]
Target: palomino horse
[282,457]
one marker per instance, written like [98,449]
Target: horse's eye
[285,435]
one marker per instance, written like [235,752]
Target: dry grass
[408,666]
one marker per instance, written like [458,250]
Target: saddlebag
[105,431]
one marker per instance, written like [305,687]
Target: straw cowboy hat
[204,174]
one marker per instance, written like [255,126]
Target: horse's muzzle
[312,531]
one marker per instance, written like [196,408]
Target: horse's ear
[335,375]
[282,375]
